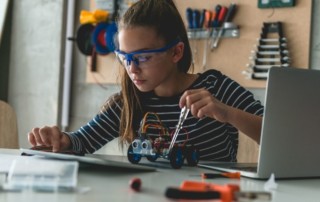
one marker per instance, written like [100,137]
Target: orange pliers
[203,190]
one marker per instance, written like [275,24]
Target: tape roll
[111,32]
[98,38]
[103,37]
[84,35]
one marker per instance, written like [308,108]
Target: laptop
[290,138]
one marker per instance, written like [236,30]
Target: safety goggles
[140,58]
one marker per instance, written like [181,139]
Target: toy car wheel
[152,158]
[192,155]
[176,157]
[132,157]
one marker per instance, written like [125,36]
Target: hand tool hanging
[225,17]
[210,26]
[195,23]
[207,24]
[271,51]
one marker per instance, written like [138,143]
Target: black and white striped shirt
[215,140]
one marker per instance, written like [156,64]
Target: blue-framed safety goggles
[138,56]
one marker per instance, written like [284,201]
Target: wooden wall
[232,54]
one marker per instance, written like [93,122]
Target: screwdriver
[202,18]
[235,175]
[196,18]
[217,10]
[207,19]
[220,15]
[189,17]
[214,22]
[227,18]
[206,24]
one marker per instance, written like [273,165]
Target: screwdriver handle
[215,22]
[196,18]
[222,15]
[231,12]
[202,18]
[189,17]
[207,19]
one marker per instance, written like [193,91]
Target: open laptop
[290,138]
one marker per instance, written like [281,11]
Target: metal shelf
[229,30]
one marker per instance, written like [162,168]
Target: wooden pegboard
[232,55]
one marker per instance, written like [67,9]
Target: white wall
[35,63]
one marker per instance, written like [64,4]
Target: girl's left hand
[202,104]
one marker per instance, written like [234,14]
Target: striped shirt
[215,140]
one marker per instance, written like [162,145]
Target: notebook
[290,138]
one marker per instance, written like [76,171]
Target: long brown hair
[163,16]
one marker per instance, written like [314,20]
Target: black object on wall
[5,45]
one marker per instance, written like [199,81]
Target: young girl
[155,57]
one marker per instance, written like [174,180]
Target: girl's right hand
[49,136]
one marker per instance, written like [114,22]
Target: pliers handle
[202,190]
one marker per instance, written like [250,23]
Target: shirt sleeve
[103,128]
[233,94]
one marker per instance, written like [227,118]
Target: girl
[155,56]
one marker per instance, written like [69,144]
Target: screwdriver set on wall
[270,51]
[211,25]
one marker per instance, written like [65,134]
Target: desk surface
[108,184]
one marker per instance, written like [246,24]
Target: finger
[203,111]
[182,101]
[46,135]
[37,137]
[32,139]
[56,139]
[185,95]
[198,108]
[193,98]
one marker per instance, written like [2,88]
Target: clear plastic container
[42,175]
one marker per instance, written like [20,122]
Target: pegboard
[232,54]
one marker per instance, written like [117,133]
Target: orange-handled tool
[202,190]
[235,175]
[207,19]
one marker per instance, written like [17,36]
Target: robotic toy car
[162,146]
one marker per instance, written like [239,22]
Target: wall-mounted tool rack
[230,31]
[232,53]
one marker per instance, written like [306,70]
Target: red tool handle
[222,15]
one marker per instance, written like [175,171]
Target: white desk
[108,184]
